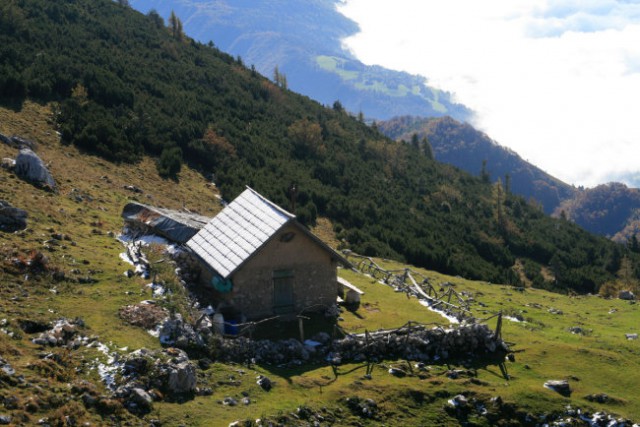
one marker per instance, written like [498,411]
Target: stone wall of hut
[313,271]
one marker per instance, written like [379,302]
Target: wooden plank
[346,284]
[418,289]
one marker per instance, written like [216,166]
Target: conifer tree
[427,149]
[484,175]
[279,78]
[175,25]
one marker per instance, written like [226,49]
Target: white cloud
[559,82]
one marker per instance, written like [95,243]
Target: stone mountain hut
[258,261]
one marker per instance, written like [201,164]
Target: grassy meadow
[87,209]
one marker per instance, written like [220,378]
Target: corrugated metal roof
[233,235]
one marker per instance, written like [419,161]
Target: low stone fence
[411,342]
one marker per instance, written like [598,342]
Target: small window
[287,237]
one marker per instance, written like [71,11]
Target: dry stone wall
[417,343]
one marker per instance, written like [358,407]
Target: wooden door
[283,297]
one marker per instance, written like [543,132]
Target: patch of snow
[107,370]
[451,319]
[513,319]
[157,290]
[173,249]
[602,419]
[125,258]
[155,332]
[145,240]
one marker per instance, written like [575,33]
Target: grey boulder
[31,168]
[12,218]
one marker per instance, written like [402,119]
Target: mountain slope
[134,91]
[610,210]
[64,385]
[130,86]
[461,145]
[303,39]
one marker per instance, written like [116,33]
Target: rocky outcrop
[626,295]
[31,168]
[560,386]
[176,332]
[17,142]
[148,375]
[63,333]
[11,218]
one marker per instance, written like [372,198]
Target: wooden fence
[443,297]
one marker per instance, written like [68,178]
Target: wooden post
[366,344]
[301,327]
[498,333]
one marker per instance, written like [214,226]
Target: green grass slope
[599,361]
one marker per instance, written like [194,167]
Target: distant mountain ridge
[611,210]
[304,40]
[463,146]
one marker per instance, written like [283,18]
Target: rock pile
[420,343]
[5,368]
[188,265]
[148,376]
[364,408]
[417,343]
[145,314]
[64,333]
[178,333]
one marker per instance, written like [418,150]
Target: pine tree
[484,175]
[415,142]
[427,149]
[279,78]
[633,244]
[175,25]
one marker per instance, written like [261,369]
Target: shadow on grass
[492,363]
[312,324]
[13,104]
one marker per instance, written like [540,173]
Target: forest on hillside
[461,145]
[609,209]
[124,85]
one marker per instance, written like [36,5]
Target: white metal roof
[233,235]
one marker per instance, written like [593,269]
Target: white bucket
[218,323]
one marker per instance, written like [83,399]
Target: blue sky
[557,81]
